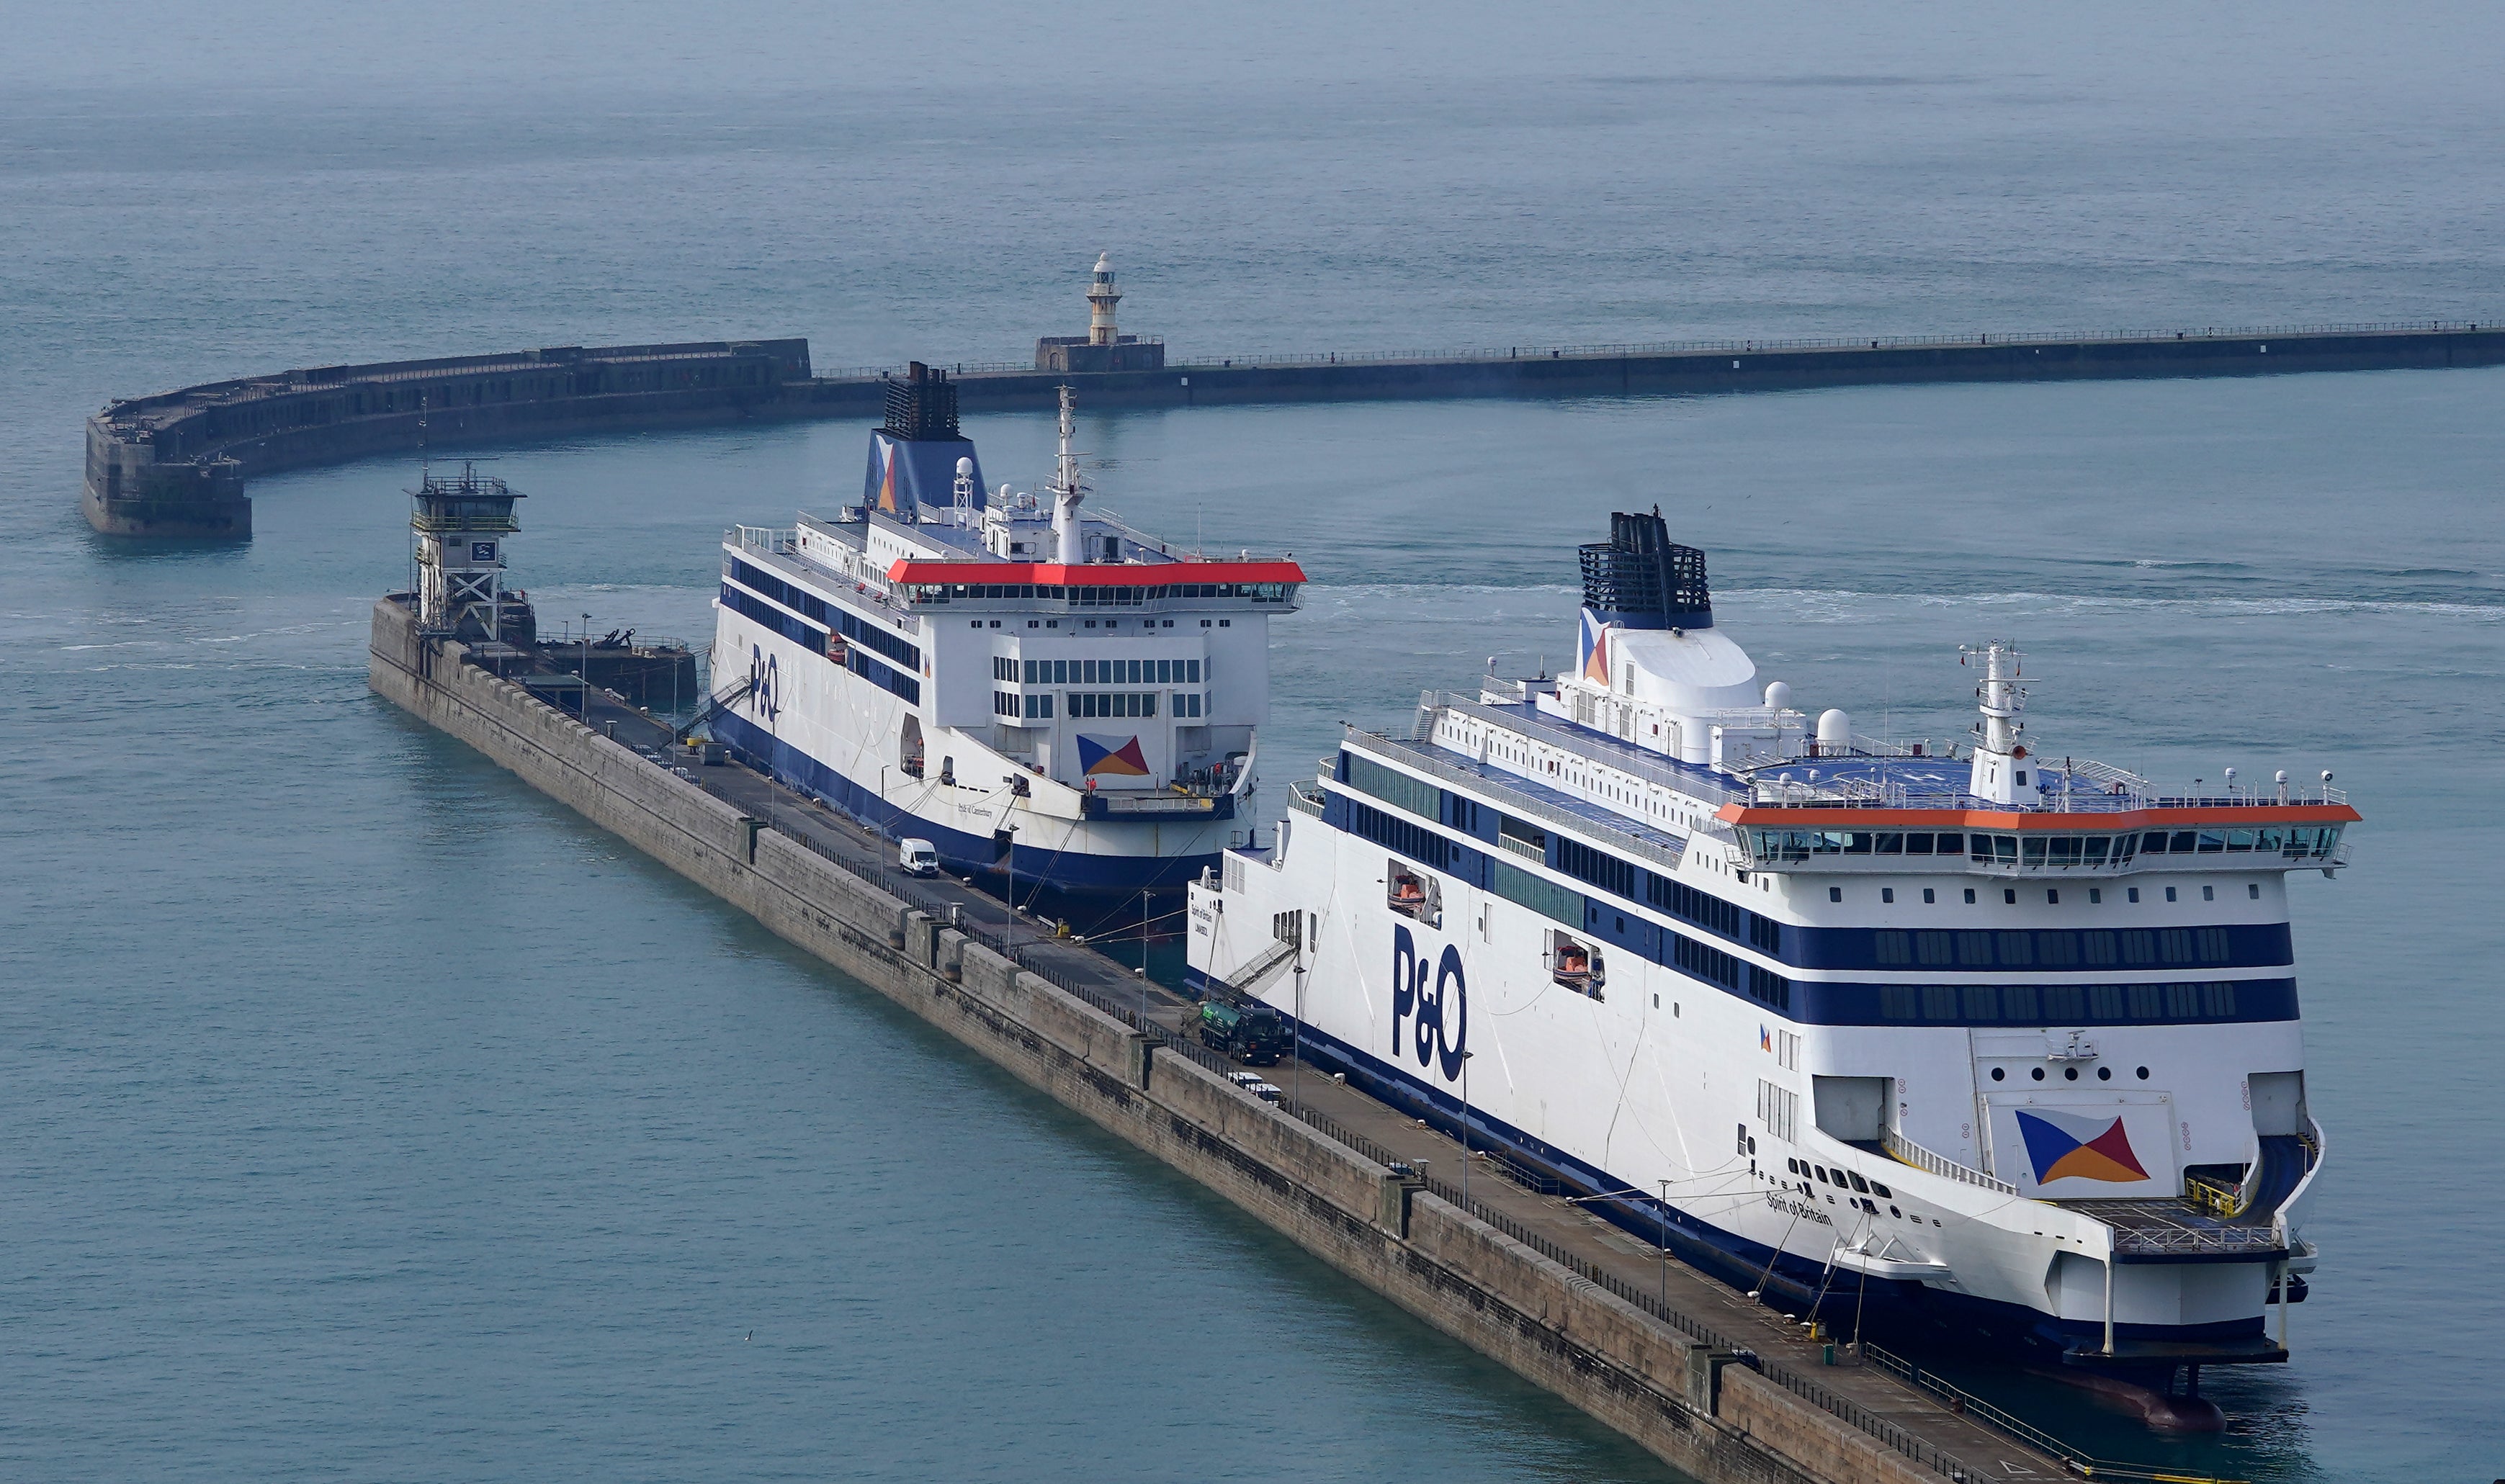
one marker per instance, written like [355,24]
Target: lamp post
[583,703]
[1008,928]
[1465,1131]
[1296,1032]
[882,801]
[1665,1243]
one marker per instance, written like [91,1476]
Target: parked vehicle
[918,857]
[1253,1034]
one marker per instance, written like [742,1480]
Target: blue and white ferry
[2002,1043]
[1043,692]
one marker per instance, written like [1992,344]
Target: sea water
[370,1115]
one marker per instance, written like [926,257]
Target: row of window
[2055,1004]
[830,615]
[1096,596]
[1098,672]
[1737,974]
[767,615]
[896,683]
[1572,857]
[1416,842]
[2053,949]
[1598,867]
[1393,787]
[1113,703]
[2040,851]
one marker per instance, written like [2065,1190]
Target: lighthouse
[1102,297]
[1103,347]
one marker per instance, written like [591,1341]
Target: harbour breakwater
[1666,1380]
[176,463]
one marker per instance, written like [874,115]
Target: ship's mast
[1999,757]
[1068,537]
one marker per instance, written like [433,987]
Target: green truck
[1250,1033]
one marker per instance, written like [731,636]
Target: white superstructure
[2010,1042]
[1045,693]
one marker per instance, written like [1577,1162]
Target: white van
[919,858]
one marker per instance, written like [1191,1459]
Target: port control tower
[1103,347]
[461,523]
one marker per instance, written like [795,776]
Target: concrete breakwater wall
[176,463]
[1688,1405]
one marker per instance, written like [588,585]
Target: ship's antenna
[1068,537]
[421,434]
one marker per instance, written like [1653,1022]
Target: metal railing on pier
[1132,1011]
[1967,1404]
[1725,346]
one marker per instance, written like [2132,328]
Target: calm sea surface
[368,1117]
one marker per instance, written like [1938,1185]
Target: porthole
[2039,1074]
[2009,896]
[1835,893]
[1899,1215]
[2253,889]
[1752,1145]
[1969,896]
[2143,1073]
[1889,893]
[2069,1073]
[2105,1074]
[1999,1074]
[1929,896]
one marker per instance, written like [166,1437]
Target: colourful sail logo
[887,484]
[1595,649]
[1102,756]
[2069,1147]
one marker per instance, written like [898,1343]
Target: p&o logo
[1439,1017]
[764,682]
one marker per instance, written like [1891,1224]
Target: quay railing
[2080,1462]
[1726,345]
[1945,1464]
[1131,1011]
[1941,1165]
[1766,1469]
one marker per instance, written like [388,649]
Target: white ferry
[2006,1044]
[1044,693]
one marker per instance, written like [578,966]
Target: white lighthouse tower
[1103,347]
[1102,297]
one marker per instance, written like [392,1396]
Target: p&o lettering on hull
[1438,1017]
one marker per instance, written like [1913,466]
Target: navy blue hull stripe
[1735,1258]
[959,852]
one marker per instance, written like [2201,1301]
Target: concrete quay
[1618,1328]
[177,464]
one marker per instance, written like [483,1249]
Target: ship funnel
[915,455]
[1641,579]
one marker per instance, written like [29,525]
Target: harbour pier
[177,464]
[1713,1384]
